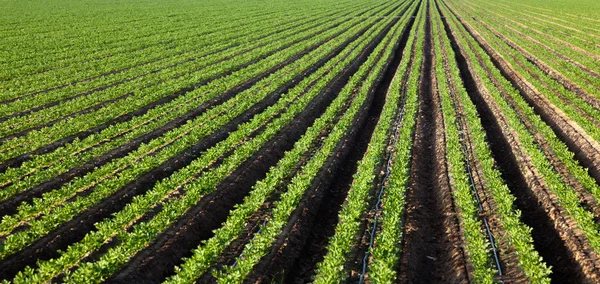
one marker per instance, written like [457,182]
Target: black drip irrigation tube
[264,223]
[388,171]
[495,254]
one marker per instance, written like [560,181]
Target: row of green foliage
[76,51]
[119,72]
[569,33]
[518,235]
[169,71]
[332,268]
[193,181]
[65,128]
[44,167]
[87,58]
[362,83]
[107,179]
[386,251]
[477,245]
[540,54]
[559,148]
[566,197]
[207,253]
[576,14]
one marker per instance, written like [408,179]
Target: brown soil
[431,242]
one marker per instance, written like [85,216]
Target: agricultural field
[325,141]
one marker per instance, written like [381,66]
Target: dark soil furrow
[427,254]
[324,227]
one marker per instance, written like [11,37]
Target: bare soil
[430,245]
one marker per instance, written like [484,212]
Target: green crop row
[98,44]
[386,250]
[228,44]
[559,148]
[176,108]
[140,48]
[254,32]
[283,208]
[391,120]
[144,233]
[65,128]
[193,186]
[107,179]
[561,15]
[477,245]
[518,235]
[206,254]
[566,32]
[584,80]
[141,45]
[210,67]
[565,195]
[47,166]
[74,64]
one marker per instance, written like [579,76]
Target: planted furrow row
[474,175]
[229,43]
[245,188]
[323,48]
[543,183]
[368,141]
[564,68]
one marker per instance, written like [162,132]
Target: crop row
[546,183]
[517,234]
[47,166]
[186,175]
[110,177]
[352,141]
